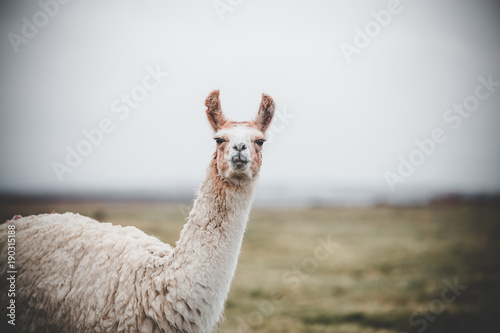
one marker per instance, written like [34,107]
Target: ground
[382,269]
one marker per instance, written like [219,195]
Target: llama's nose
[240,146]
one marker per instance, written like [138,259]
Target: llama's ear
[266,112]
[214,111]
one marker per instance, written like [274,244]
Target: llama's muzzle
[239,161]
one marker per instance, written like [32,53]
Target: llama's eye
[260,142]
[219,140]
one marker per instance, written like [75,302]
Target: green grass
[389,263]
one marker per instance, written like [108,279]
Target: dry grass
[390,263]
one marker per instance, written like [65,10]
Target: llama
[75,274]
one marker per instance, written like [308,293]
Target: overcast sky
[356,83]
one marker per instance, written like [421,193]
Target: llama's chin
[239,178]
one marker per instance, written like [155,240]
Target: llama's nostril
[240,146]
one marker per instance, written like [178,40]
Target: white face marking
[239,135]
[239,131]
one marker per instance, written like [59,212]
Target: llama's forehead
[239,131]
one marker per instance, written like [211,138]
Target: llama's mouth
[239,165]
[239,161]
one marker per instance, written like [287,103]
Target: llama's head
[238,155]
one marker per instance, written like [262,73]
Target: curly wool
[87,277]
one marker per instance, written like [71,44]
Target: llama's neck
[205,258]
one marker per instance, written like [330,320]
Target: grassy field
[384,269]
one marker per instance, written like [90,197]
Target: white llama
[75,274]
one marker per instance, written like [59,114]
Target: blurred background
[385,138]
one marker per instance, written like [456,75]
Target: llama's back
[77,274]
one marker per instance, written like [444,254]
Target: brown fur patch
[265,114]
[214,111]
[230,123]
